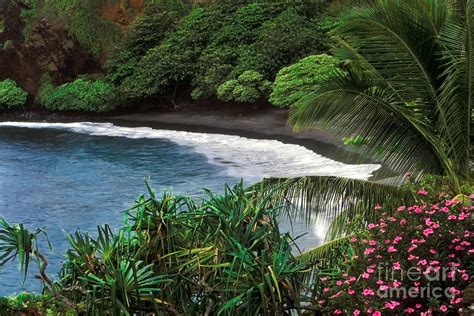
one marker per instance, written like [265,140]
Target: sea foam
[242,157]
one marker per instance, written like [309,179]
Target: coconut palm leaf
[409,88]
[320,198]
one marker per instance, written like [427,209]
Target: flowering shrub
[416,260]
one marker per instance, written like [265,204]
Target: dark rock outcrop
[48,49]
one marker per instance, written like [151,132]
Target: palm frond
[322,198]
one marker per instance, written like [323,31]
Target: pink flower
[428,232]
[377,313]
[423,262]
[353,239]
[368,251]
[372,242]
[403,221]
[412,247]
[371,226]
[351,292]
[337,312]
[365,275]
[368,292]
[422,192]
[396,283]
[392,304]
[396,266]
[356,312]
[339,283]
[443,308]
[326,289]
[377,207]
[432,251]
[409,310]
[392,249]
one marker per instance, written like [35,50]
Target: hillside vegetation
[152,51]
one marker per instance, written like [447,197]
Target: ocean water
[74,176]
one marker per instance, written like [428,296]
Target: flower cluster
[415,260]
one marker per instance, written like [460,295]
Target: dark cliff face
[48,49]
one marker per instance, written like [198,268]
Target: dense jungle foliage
[400,87]
[163,48]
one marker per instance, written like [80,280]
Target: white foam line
[251,159]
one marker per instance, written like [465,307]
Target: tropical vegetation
[399,88]
[11,95]
[79,95]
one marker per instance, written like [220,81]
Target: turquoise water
[66,177]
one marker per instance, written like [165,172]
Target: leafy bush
[215,43]
[417,259]
[11,95]
[249,87]
[259,37]
[224,255]
[81,95]
[174,61]
[159,18]
[302,78]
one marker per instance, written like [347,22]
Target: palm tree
[408,91]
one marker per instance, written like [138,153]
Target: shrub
[302,78]
[249,87]
[82,95]
[11,95]
[159,18]
[175,60]
[406,259]
[259,37]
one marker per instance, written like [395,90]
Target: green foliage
[259,37]
[45,90]
[30,303]
[80,95]
[224,255]
[80,17]
[8,44]
[408,92]
[249,87]
[159,18]
[175,60]
[404,251]
[355,141]
[302,78]
[11,95]
[216,43]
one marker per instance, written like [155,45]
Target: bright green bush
[297,80]
[11,95]
[82,95]
[249,87]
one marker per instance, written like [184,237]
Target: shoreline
[243,120]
